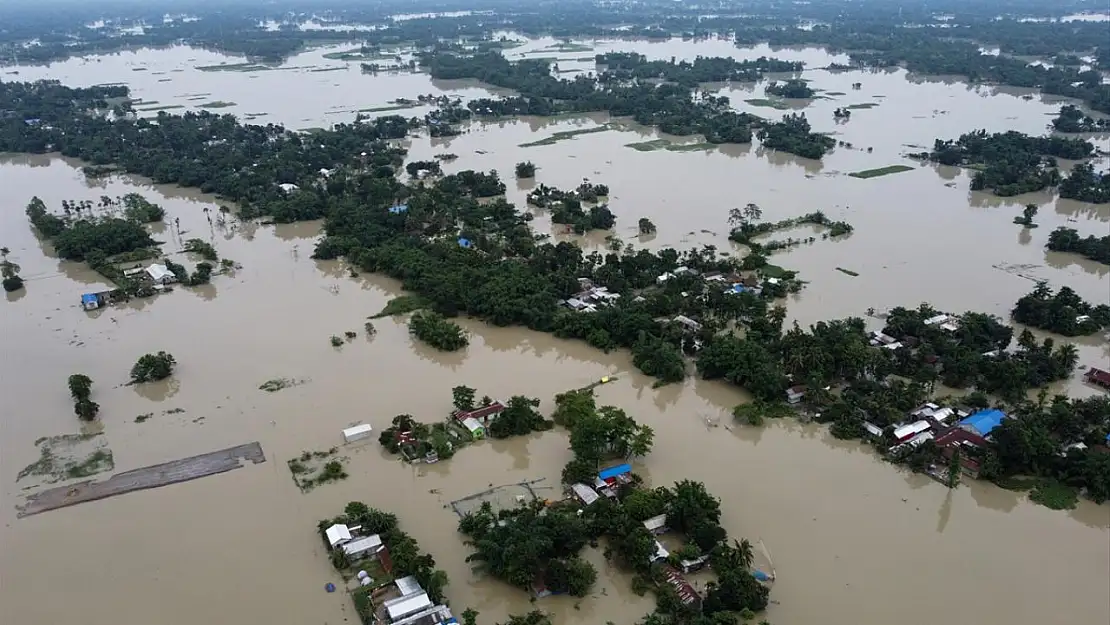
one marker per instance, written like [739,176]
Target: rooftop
[407,605]
[585,493]
[984,421]
[408,586]
[337,534]
[612,472]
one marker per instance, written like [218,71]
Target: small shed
[89,301]
[657,524]
[338,534]
[584,493]
[408,586]
[357,432]
[476,429]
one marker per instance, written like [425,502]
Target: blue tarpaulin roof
[398,209]
[464,243]
[739,288]
[612,472]
[89,298]
[984,421]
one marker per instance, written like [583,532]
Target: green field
[880,171]
[566,134]
[865,105]
[764,102]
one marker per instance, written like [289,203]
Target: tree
[151,367]
[954,468]
[86,409]
[646,226]
[525,170]
[692,504]
[80,386]
[10,272]
[463,397]
[518,418]
[470,617]
[1027,215]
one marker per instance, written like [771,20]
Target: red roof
[480,413]
[1098,375]
[955,436]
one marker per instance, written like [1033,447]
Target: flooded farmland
[854,540]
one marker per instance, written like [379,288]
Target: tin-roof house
[983,422]
[482,414]
[338,535]
[160,274]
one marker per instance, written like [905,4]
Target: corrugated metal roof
[408,586]
[585,493]
[984,421]
[406,606]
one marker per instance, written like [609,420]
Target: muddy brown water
[853,539]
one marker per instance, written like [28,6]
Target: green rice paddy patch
[880,171]
[865,105]
[216,104]
[766,103]
[566,134]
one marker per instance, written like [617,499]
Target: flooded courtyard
[854,540]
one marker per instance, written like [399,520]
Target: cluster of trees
[793,135]
[404,551]
[598,435]
[1068,240]
[526,169]
[519,417]
[746,226]
[1010,163]
[566,206]
[1085,184]
[1072,119]
[531,545]
[80,388]
[438,331]
[624,85]
[1063,312]
[793,88]
[152,367]
[10,272]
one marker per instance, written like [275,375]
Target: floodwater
[853,539]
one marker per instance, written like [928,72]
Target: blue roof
[984,421]
[464,242]
[398,209]
[1108,438]
[611,472]
[89,298]
[739,288]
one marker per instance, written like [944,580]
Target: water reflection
[158,391]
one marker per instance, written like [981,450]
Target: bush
[13,283]
[435,330]
[153,367]
[525,170]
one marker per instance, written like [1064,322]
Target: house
[714,276]
[89,301]
[686,592]
[584,493]
[872,429]
[483,414]
[408,605]
[983,422]
[795,394]
[904,433]
[397,209]
[685,271]
[475,427]
[357,433]
[688,323]
[160,275]
[363,547]
[657,524]
[338,535]
[1098,377]
[736,289]
[431,616]
[408,586]
[288,187]
[664,277]
[695,565]
[937,319]
[959,438]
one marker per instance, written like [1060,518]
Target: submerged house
[1098,377]
[338,535]
[584,493]
[482,414]
[363,547]
[983,422]
[90,301]
[159,274]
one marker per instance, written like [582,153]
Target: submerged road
[153,476]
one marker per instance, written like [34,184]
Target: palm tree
[1067,356]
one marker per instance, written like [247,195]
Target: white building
[656,524]
[357,432]
[338,534]
[363,547]
[584,493]
[402,607]
[160,274]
